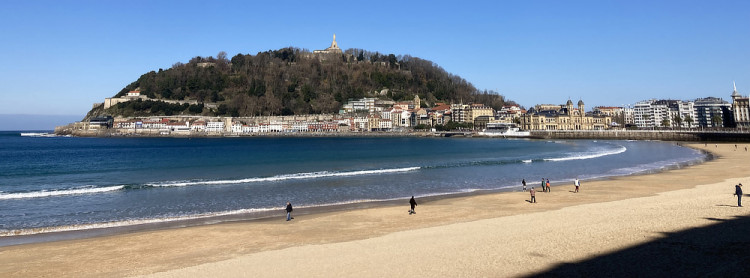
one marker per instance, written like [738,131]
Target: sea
[51,186]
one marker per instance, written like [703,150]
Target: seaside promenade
[678,223]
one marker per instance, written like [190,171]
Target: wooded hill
[294,81]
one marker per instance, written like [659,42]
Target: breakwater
[663,135]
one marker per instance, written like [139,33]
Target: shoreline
[97,230]
[164,250]
[674,135]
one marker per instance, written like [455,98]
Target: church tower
[417,102]
[580,108]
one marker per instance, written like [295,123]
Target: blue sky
[59,57]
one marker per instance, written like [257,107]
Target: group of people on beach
[289,209]
[546,188]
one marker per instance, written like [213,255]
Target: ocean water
[67,183]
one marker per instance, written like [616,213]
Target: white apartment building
[360,123]
[385,115]
[460,113]
[395,117]
[214,126]
[385,124]
[359,105]
[706,112]
[300,126]
[276,127]
[250,129]
[643,114]
[682,114]
[405,119]
[236,127]
[628,114]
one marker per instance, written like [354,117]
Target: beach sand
[682,222]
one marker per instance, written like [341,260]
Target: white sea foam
[45,193]
[577,156]
[124,223]
[527,161]
[298,176]
[134,222]
[93,190]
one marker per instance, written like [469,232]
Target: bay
[67,183]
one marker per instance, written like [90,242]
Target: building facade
[740,109]
[563,117]
[664,113]
[713,112]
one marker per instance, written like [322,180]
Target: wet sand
[488,235]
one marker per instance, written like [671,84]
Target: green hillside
[292,81]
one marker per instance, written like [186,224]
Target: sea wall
[664,135]
[79,129]
[195,134]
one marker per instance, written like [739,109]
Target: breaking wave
[95,190]
[298,176]
[588,155]
[51,193]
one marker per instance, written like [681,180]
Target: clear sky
[59,57]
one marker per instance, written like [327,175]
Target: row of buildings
[411,113]
[361,115]
[196,125]
[370,114]
[709,112]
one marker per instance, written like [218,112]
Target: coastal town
[386,139]
[379,114]
[373,115]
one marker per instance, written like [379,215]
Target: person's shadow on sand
[718,250]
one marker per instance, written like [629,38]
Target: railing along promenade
[664,135]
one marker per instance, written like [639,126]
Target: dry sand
[682,222]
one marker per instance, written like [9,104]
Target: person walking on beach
[289,210]
[533,195]
[413,204]
[548,189]
[738,192]
[577,184]
[543,187]
[523,181]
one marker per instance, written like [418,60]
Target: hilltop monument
[333,49]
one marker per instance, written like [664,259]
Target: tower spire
[334,45]
[734,93]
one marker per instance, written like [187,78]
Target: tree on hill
[293,81]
